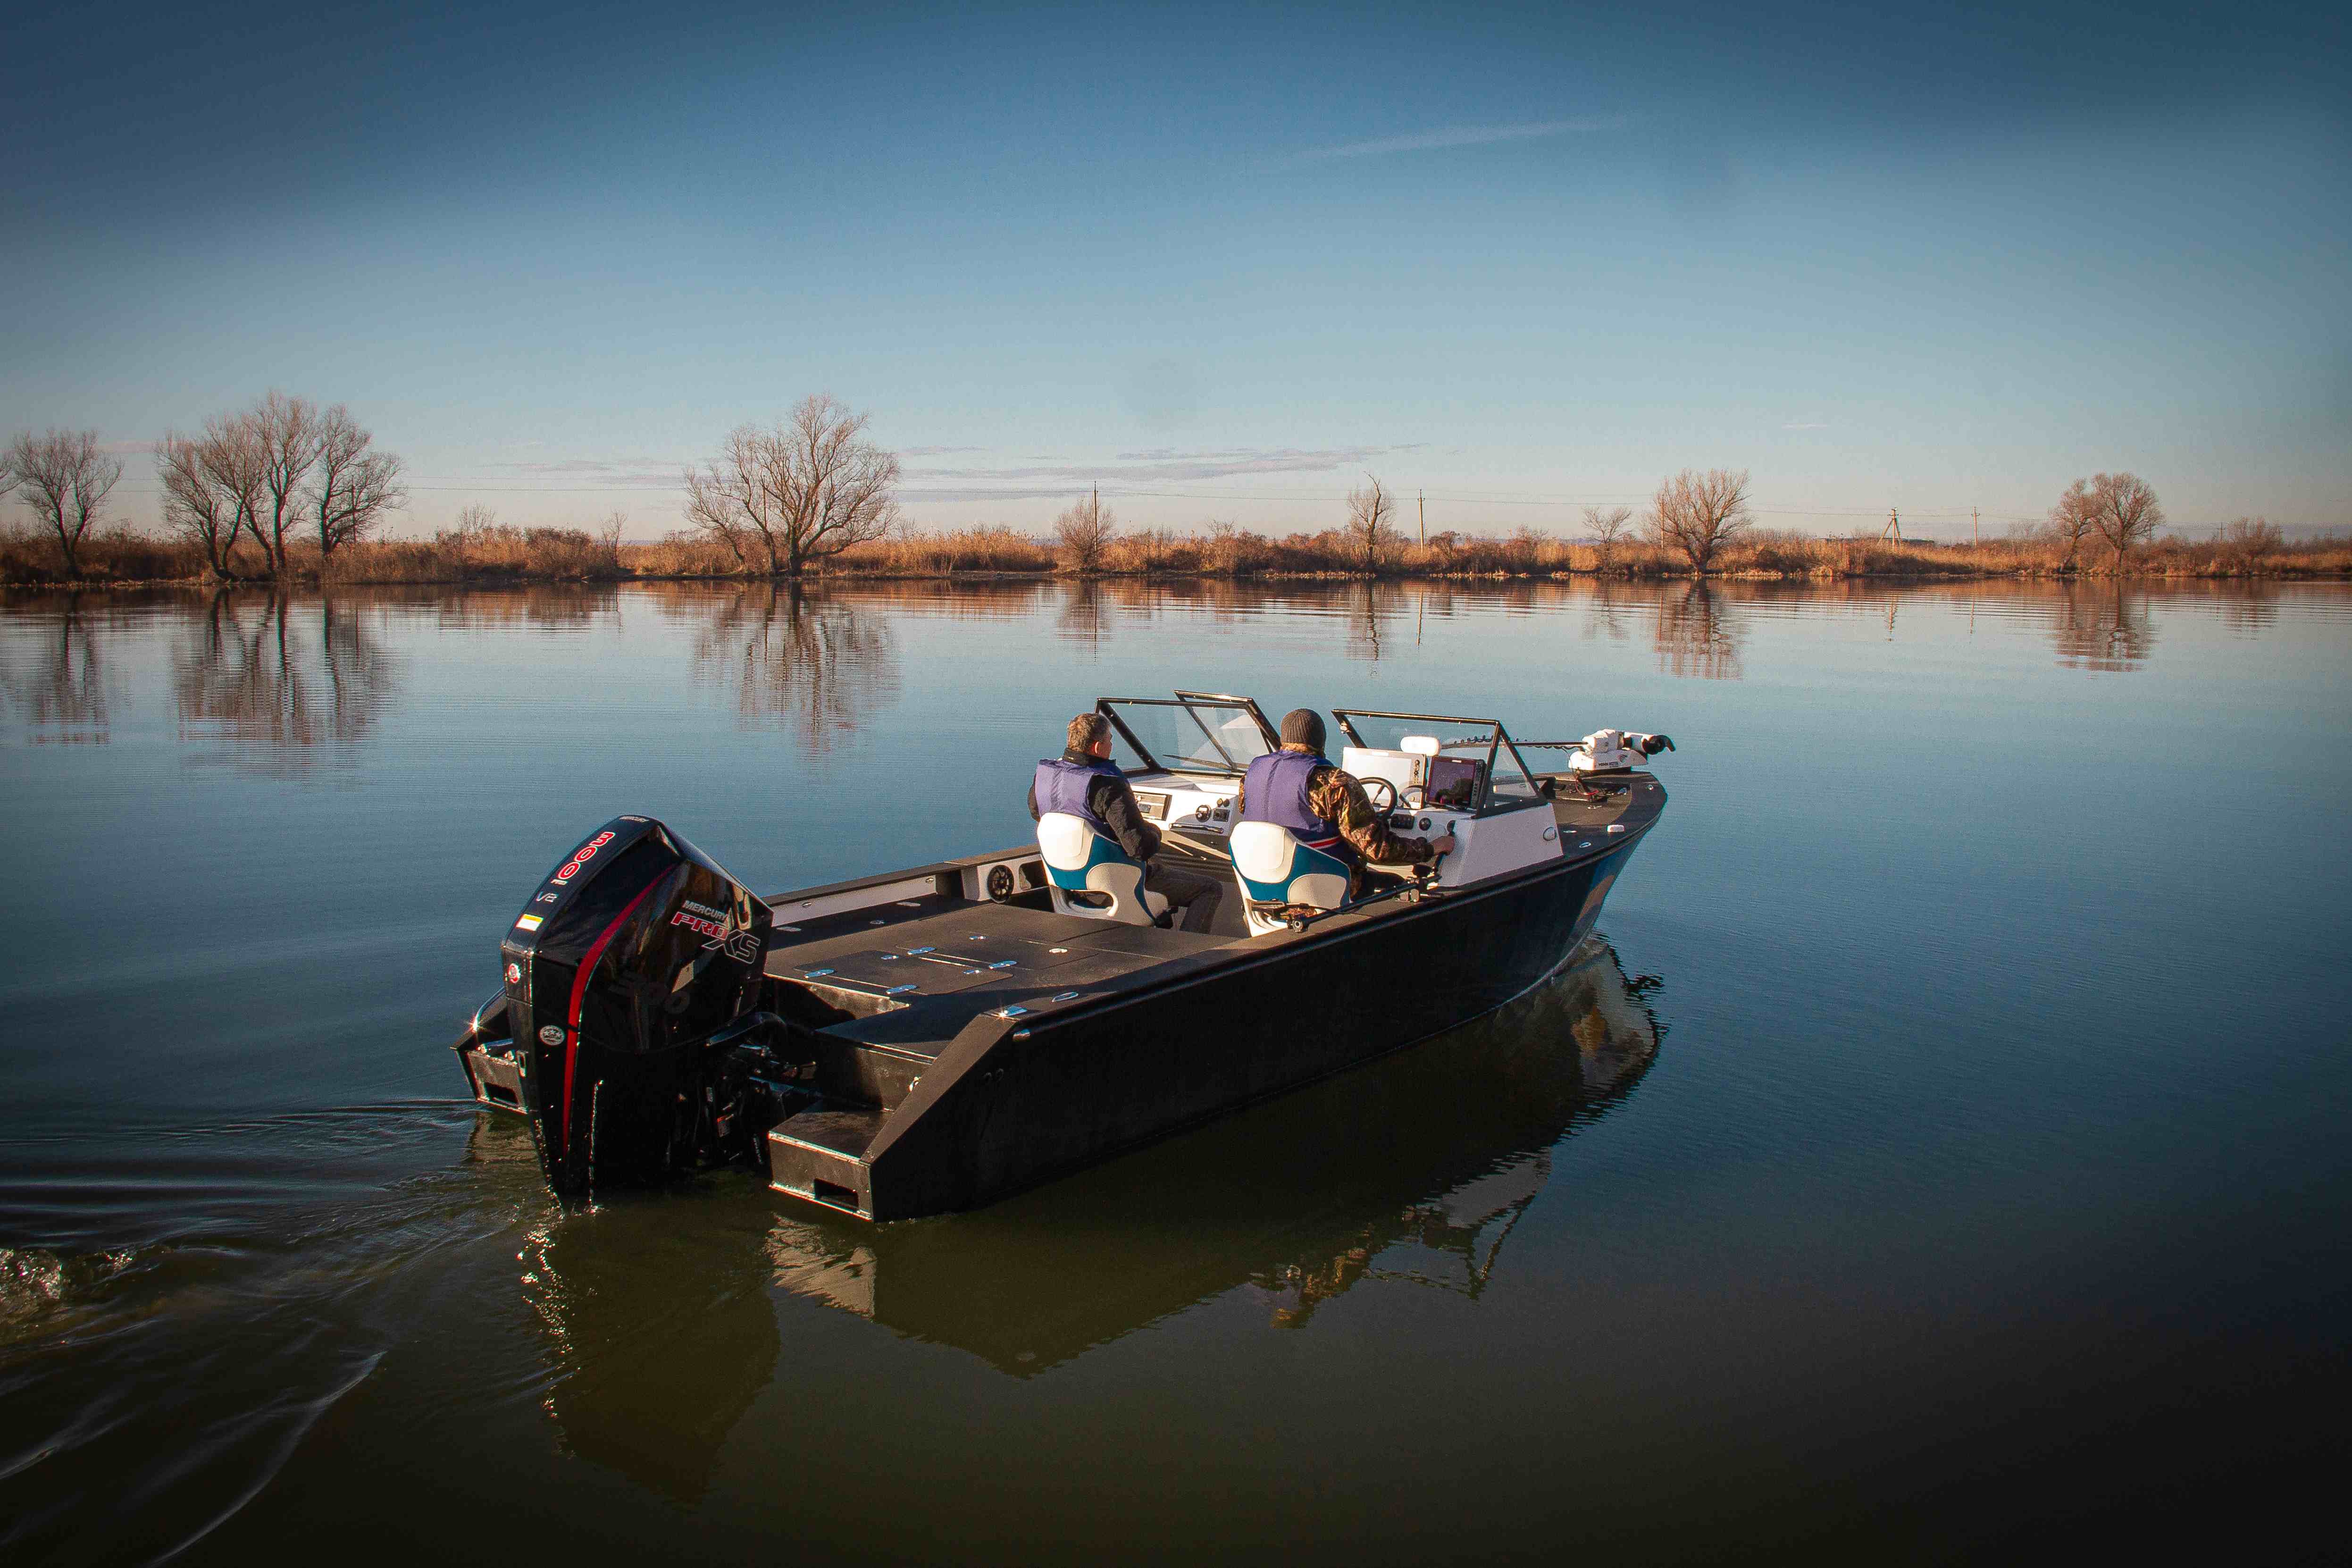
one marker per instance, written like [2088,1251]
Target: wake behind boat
[934,1039]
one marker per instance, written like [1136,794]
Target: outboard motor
[622,974]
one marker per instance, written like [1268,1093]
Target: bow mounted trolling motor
[1615,750]
[632,975]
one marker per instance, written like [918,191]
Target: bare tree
[1607,526]
[2249,540]
[1085,533]
[608,539]
[725,502]
[809,488]
[198,508]
[2125,510]
[1370,539]
[66,480]
[352,487]
[2073,520]
[1699,514]
[285,430]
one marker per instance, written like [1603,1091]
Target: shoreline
[311,583]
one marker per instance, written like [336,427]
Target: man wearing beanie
[1297,788]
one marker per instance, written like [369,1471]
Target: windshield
[1191,735]
[1480,740]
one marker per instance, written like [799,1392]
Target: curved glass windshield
[1185,734]
[1504,778]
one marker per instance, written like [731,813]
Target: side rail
[993,877]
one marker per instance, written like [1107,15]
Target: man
[1085,783]
[1296,787]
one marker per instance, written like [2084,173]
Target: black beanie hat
[1302,727]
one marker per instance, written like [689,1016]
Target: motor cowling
[633,951]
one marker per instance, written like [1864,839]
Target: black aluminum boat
[934,1039]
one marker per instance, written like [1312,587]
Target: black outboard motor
[630,957]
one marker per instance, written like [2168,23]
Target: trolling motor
[1603,752]
[633,979]
[1615,750]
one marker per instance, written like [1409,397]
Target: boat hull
[1015,1102]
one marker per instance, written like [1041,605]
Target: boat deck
[932,964]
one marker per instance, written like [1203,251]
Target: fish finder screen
[1453,784]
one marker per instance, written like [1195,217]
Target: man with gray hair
[1083,782]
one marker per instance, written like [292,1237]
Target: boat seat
[1280,871]
[1086,873]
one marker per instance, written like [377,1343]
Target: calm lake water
[1951,1162]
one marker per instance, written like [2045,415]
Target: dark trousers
[1194,893]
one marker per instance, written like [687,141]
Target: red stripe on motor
[578,998]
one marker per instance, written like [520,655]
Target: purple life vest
[1274,790]
[1062,785]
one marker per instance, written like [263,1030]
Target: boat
[935,1038]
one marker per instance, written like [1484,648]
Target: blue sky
[1221,261]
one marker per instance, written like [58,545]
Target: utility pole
[1421,505]
[1975,536]
[1894,529]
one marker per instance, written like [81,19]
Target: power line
[1473,499]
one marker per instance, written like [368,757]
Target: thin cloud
[1807,425]
[624,473]
[1458,136]
[1160,465]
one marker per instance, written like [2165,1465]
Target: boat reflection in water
[658,1312]
[1415,1169]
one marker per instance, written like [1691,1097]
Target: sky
[1221,261]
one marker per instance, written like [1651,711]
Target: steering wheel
[1383,783]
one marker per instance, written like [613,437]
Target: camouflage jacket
[1339,799]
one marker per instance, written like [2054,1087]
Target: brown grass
[500,554]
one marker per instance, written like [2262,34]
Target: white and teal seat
[1278,870]
[1086,873]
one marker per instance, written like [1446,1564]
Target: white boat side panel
[1506,841]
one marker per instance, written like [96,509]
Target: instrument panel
[1152,803]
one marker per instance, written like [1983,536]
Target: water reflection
[2101,628]
[541,606]
[281,689]
[1085,616]
[56,678]
[655,1314]
[1371,608]
[804,658]
[655,1317]
[1696,635]
[1412,1171]
[1606,612]
[2251,607]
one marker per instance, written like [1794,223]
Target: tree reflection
[282,692]
[59,680]
[1604,613]
[1085,615]
[1369,608]
[2250,607]
[799,657]
[2107,631]
[1697,636]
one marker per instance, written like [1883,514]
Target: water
[1985,1190]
